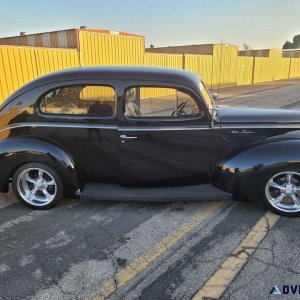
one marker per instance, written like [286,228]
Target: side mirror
[214,96]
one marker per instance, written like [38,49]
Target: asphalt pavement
[136,250]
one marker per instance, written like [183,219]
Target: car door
[80,116]
[164,136]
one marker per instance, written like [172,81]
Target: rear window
[80,100]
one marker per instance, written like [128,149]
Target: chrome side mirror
[214,96]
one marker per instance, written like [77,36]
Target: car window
[159,102]
[80,100]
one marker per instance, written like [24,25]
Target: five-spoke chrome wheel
[283,192]
[36,186]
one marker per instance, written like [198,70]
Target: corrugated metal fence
[104,49]
[20,64]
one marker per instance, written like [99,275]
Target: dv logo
[275,290]
[286,289]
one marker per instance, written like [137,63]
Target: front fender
[15,152]
[242,171]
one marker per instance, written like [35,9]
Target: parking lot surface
[137,250]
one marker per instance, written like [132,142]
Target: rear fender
[243,171]
[15,152]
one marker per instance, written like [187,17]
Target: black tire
[265,195]
[56,190]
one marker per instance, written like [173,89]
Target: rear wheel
[282,193]
[37,185]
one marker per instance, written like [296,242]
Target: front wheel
[282,193]
[37,185]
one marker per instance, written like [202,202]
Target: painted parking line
[140,264]
[220,280]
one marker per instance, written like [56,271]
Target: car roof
[112,72]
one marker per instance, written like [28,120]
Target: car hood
[228,114]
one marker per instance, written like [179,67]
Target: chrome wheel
[36,186]
[283,191]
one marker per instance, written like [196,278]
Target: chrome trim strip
[151,127]
[260,126]
[66,125]
[115,127]
[164,128]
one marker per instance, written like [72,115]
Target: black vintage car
[124,133]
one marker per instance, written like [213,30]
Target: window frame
[209,95]
[75,116]
[189,92]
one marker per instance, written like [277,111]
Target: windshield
[206,95]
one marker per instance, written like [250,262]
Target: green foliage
[296,41]
[292,45]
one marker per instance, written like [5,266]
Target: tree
[287,45]
[296,41]
[292,45]
[246,47]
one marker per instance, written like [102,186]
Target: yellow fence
[202,65]
[224,65]
[174,61]
[283,68]
[104,49]
[50,60]
[244,70]
[273,65]
[294,67]
[164,61]
[260,70]
[20,64]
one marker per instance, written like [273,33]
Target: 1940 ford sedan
[123,133]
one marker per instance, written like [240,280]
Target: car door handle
[124,136]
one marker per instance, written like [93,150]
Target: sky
[258,23]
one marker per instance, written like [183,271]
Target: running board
[111,192]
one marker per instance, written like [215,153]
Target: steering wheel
[180,109]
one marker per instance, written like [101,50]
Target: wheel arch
[241,170]
[17,151]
